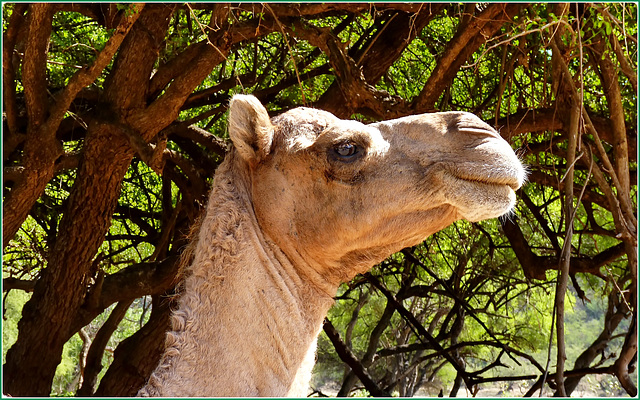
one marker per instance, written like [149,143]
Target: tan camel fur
[302,203]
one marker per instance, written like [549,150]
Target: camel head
[343,196]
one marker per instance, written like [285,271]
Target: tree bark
[59,293]
[628,355]
[10,38]
[128,284]
[611,88]
[44,121]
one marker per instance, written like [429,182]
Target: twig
[293,61]
[510,39]
[457,299]
[63,64]
[421,333]
[543,378]
[204,32]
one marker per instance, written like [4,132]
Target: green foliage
[75,42]
[12,303]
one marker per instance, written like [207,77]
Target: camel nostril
[471,124]
[481,131]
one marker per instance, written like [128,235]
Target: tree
[114,124]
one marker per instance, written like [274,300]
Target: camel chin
[489,200]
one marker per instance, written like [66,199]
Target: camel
[304,202]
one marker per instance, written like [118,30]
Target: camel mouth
[501,171]
[510,181]
[507,176]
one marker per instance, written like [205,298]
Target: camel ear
[250,129]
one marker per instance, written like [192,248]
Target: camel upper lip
[506,181]
[499,173]
[500,178]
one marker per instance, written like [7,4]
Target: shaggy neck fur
[247,322]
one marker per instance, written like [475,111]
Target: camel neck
[247,322]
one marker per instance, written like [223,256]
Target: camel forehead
[299,128]
[303,122]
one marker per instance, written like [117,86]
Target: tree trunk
[59,293]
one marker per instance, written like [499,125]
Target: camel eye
[346,150]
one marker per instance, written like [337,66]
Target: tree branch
[369,356]
[93,364]
[34,70]
[422,332]
[468,38]
[19,284]
[629,353]
[535,266]
[87,75]
[350,359]
[163,110]
[10,38]
[135,357]
[564,262]
[622,195]
[130,283]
